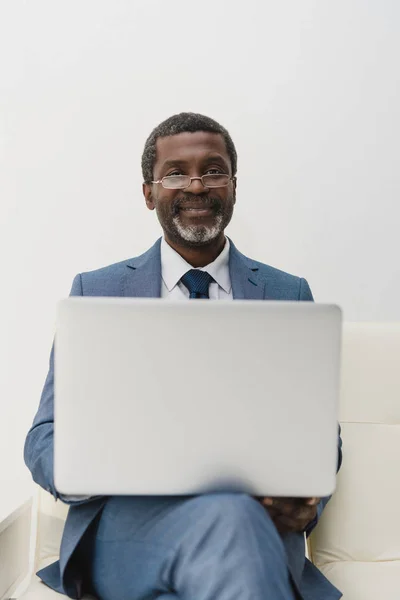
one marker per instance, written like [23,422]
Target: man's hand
[291,514]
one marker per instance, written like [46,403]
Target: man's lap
[139,539]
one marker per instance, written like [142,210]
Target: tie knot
[197,282]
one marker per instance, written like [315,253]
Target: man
[208,547]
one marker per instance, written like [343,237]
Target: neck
[199,256]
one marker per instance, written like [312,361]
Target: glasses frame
[191,179]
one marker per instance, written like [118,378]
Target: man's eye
[214,171]
[174,173]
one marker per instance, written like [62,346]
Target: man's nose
[196,187]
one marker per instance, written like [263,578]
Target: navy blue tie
[197,282]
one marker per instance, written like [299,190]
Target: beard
[198,234]
[195,234]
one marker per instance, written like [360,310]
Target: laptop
[158,397]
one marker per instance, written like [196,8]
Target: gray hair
[182,123]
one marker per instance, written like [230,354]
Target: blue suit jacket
[141,277]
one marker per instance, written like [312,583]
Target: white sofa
[357,542]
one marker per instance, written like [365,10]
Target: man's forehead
[187,145]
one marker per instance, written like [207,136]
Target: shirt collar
[173,267]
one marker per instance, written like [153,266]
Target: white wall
[309,91]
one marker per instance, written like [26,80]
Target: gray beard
[198,234]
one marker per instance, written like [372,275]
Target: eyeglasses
[178,182]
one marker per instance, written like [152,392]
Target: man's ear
[234,189]
[148,195]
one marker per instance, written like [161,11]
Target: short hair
[182,123]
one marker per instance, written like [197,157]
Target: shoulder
[266,271]
[109,280]
[113,270]
[278,283]
[100,282]
[283,285]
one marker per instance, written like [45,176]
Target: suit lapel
[243,271]
[143,276]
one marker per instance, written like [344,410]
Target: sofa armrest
[15,544]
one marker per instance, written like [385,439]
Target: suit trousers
[218,546]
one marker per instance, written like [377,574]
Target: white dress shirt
[173,267]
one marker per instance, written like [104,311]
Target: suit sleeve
[39,447]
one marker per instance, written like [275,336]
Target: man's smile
[196,211]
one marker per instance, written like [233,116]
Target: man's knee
[224,504]
[236,511]
[229,525]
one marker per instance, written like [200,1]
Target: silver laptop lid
[156,397]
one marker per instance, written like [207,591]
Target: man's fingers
[292,511]
[312,501]
[285,523]
[283,506]
[305,512]
[268,501]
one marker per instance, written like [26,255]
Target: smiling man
[212,546]
[193,209]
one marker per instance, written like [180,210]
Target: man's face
[194,216]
